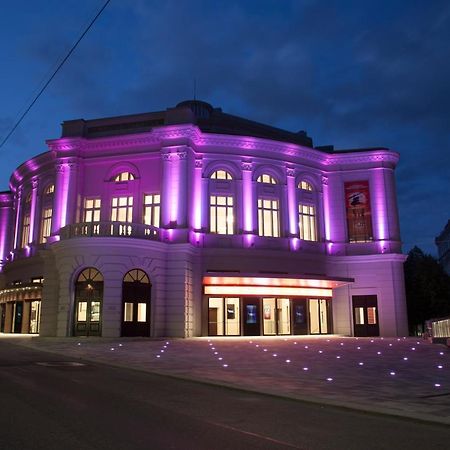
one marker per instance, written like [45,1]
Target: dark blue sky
[351,73]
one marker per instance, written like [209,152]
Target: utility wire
[54,73]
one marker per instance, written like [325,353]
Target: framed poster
[359,214]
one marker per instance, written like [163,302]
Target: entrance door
[251,317]
[318,316]
[88,303]
[299,321]
[136,293]
[2,317]
[18,315]
[365,315]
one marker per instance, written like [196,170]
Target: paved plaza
[401,376]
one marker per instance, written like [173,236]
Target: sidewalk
[405,377]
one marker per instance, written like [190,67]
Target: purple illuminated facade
[193,222]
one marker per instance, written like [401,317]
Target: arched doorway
[88,303]
[136,292]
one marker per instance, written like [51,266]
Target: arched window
[305,185]
[50,189]
[136,294]
[221,175]
[124,176]
[266,178]
[88,303]
[221,203]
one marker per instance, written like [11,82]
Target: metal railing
[110,229]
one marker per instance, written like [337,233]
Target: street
[53,402]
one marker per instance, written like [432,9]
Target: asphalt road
[51,402]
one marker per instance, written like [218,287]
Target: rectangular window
[122,209]
[152,209]
[25,230]
[221,214]
[92,207]
[307,222]
[46,224]
[268,218]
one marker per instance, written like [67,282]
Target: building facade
[193,222]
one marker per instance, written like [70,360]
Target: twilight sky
[351,73]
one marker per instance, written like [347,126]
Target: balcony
[110,229]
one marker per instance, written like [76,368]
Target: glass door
[283,316]
[251,317]
[318,316]
[224,316]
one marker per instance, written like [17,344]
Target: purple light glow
[378,197]
[197,197]
[292,205]
[247,198]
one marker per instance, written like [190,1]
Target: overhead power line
[54,73]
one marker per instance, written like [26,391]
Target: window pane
[128,312]
[372,315]
[82,309]
[142,312]
[95,311]
[359,316]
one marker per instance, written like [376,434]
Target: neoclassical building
[193,222]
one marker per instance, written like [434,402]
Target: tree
[427,289]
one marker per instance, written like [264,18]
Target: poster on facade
[359,217]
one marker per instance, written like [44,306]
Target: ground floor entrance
[20,316]
[268,316]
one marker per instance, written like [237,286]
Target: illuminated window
[265,178]
[268,217]
[152,208]
[124,176]
[221,215]
[25,230]
[92,207]
[28,199]
[122,209]
[307,222]
[46,224]
[221,175]
[50,189]
[305,185]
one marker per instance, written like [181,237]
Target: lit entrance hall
[253,306]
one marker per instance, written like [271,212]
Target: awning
[276,285]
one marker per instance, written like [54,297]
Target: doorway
[365,315]
[88,303]
[136,294]
[251,316]
[318,316]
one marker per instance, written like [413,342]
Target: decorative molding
[324,180]
[59,167]
[246,165]
[182,154]
[290,172]
[198,163]
[35,183]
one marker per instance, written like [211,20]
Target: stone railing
[110,229]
